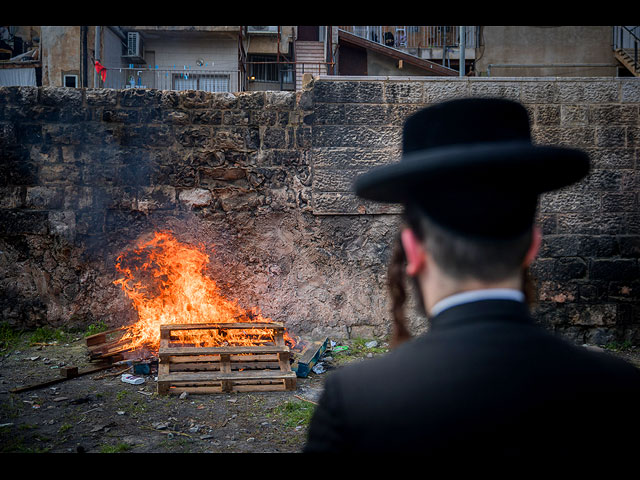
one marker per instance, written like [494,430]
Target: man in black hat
[485,379]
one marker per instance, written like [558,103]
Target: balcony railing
[171,79]
[403,36]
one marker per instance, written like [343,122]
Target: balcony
[172,79]
[427,42]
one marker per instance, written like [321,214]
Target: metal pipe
[96,54]
[463,45]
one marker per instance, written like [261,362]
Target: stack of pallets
[225,369]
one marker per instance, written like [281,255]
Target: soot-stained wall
[262,180]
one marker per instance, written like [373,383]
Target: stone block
[630,91]
[588,91]
[23,222]
[547,115]
[356,91]
[542,91]
[101,97]
[608,115]
[356,136]
[195,197]
[629,245]
[403,92]
[334,180]
[613,269]
[615,136]
[280,100]
[140,97]
[63,224]
[564,202]
[156,198]
[250,100]
[12,197]
[500,89]
[41,197]
[365,114]
[620,202]
[438,90]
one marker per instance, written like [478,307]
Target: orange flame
[165,280]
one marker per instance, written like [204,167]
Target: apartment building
[246,58]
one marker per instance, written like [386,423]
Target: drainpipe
[463,46]
[96,54]
[84,59]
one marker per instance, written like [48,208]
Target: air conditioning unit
[269,30]
[134,50]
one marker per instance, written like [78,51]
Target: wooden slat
[221,376]
[226,326]
[181,351]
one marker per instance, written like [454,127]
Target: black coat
[485,379]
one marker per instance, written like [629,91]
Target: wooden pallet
[107,345]
[224,369]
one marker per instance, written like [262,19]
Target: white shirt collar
[475,295]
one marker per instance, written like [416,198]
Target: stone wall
[262,179]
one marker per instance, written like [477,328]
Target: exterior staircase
[309,57]
[626,57]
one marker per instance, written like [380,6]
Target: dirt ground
[98,413]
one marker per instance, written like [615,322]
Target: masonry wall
[263,180]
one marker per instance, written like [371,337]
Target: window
[261,71]
[206,82]
[70,81]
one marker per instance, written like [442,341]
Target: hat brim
[516,166]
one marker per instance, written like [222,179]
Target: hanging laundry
[101,70]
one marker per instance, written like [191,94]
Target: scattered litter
[60,399]
[120,412]
[132,379]
[340,348]
[183,395]
[318,368]
[371,344]
[142,369]
[145,393]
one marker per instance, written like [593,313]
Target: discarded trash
[141,368]
[318,368]
[372,344]
[340,348]
[133,380]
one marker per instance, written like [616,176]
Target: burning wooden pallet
[224,369]
[107,345]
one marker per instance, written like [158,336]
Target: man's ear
[534,248]
[414,252]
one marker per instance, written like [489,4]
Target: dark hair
[460,257]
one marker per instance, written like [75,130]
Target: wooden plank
[62,378]
[180,351]
[222,325]
[101,337]
[221,376]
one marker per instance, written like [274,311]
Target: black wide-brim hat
[470,165]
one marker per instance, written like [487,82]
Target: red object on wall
[101,70]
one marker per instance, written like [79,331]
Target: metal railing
[171,79]
[403,36]
[627,39]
